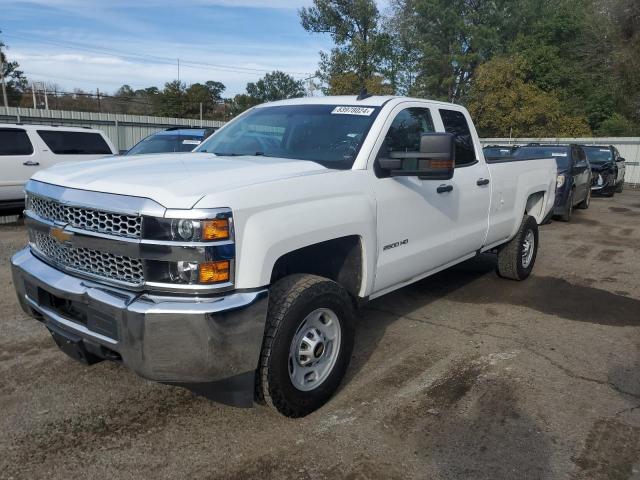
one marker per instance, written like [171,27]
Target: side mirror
[622,159]
[434,161]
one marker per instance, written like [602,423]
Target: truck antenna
[364,94]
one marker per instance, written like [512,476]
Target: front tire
[517,257]
[307,345]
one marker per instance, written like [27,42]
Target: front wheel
[517,257]
[307,345]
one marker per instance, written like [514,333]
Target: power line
[153,58]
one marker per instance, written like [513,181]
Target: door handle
[31,163]
[445,188]
[482,182]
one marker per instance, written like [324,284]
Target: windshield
[598,154]
[164,143]
[330,135]
[561,154]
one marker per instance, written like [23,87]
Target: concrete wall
[123,130]
[629,148]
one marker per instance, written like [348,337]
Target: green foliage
[15,80]
[362,47]
[504,103]
[275,86]
[618,126]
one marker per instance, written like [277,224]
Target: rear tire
[566,216]
[307,345]
[517,257]
[586,202]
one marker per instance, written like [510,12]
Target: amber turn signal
[217,229]
[214,272]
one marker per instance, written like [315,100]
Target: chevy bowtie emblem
[60,235]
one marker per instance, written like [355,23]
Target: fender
[275,218]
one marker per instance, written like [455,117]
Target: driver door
[414,220]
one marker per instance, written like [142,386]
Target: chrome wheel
[528,247]
[314,349]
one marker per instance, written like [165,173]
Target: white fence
[629,148]
[123,130]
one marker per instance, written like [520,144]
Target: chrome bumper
[166,339]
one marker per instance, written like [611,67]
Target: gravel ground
[462,375]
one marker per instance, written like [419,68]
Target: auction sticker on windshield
[364,111]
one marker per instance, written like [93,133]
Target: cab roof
[350,100]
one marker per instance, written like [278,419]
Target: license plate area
[101,321]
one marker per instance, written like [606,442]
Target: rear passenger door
[581,174]
[471,186]
[17,162]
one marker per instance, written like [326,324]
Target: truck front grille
[102,264]
[86,219]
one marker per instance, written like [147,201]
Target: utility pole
[4,86]
[200,114]
[33,92]
[178,70]
[98,94]
[46,98]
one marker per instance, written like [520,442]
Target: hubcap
[314,349]
[528,247]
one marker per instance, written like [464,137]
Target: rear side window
[14,141]
[74,143]
[456,123]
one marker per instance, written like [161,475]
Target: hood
[174,180]
[602,167]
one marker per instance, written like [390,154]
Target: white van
[25,149]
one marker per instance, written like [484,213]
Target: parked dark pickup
[498,151]
[573,187]
[608,169]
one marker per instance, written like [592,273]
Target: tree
[444,41]
[275,86]
[362,47]
[171,102]
[15,80]
[504,104]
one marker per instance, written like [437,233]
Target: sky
[103,44]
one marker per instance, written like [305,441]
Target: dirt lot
[462,375]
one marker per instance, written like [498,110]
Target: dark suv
[608,169]
[573,186]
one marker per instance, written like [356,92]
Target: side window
[456,123]
[14,141]
[405,133]
[74,143]
[581,157]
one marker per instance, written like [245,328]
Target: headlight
[193,273]
[187,230]
[200,230]
[560,181]
[187,252]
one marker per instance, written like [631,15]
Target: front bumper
[603,183]
[177,340]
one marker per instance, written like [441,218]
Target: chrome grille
[104,264]
[86,219]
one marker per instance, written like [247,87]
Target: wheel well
[339,259]
[535,206]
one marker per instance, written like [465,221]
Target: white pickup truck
[236,270]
